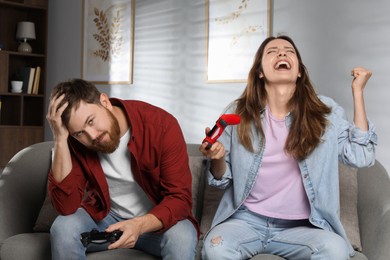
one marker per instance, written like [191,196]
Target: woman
[279,166]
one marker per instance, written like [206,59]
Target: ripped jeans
[247,234]
[178,242]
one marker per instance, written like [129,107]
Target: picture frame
[108,41]
[235,30]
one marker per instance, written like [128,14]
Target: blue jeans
[247,234]
[179,242]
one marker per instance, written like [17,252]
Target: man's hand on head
[53,116]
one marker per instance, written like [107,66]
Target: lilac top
[278,191]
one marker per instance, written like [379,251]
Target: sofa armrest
[374,211]
[23,189]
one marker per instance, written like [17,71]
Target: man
[118,165]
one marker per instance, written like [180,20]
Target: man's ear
[105,101]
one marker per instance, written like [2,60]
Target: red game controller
[222,122]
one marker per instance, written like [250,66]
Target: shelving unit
[21,115]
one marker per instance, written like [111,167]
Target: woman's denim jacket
[342,141]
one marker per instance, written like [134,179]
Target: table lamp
[25,31]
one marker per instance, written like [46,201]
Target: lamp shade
[25,31]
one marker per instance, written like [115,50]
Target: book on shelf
[37,77]
[28,78]
[31,80]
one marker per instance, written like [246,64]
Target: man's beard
[114,134]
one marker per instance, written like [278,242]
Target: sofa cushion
[197,166]
[32,246]
[348,205]
[121,253]
[36,246]
[46,216]
[212,196]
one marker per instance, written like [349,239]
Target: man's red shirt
[159,163]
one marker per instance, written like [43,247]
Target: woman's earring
[260,75]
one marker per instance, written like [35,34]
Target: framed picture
[235,30]
[108,31]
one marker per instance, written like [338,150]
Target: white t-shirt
[128,199]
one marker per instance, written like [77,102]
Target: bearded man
[118,165]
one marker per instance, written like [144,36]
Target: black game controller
[97,237]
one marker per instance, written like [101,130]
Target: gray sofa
[26,213]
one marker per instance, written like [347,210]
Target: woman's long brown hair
[307,110]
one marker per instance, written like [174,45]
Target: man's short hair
[75,90]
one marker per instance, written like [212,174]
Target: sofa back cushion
[349,204]
[46,216]
[197,166]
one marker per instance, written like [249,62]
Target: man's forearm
[149,223]
[62,162]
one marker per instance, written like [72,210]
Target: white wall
[333,36]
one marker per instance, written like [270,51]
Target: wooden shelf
[22,115]
[15,53]
[25,4]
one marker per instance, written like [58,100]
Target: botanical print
[108,41]
[236,28]
[234,15]
[108,35]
